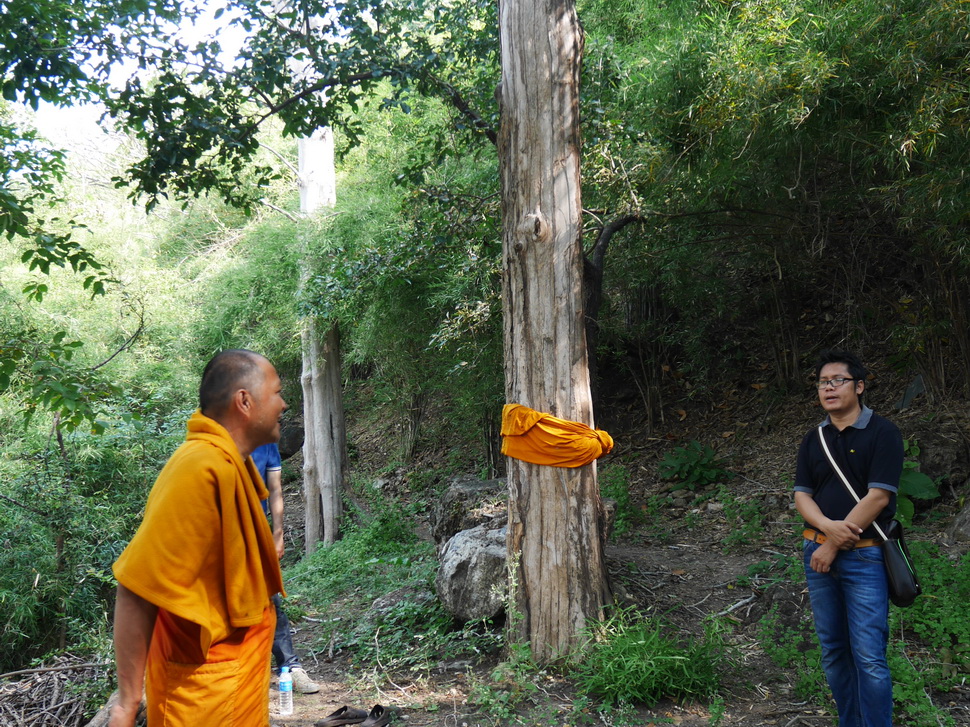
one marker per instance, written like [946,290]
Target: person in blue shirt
[270,466]
[842,558]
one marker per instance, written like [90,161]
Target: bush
[614,482]
[695,465]
[634,659]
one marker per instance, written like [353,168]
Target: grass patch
[634,659]
[409,631]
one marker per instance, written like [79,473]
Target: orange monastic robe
[204,554]
[533,436]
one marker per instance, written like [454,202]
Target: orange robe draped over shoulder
[539,438]
[204,554]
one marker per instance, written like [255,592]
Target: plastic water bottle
[286,691]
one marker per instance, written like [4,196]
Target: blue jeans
[283,652]
[851,608]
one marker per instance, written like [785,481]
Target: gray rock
[466,503]
[472,576]
[959,530]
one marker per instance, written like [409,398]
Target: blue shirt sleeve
[267,459]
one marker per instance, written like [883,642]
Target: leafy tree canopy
[309,65]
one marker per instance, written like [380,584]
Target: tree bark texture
[325,442]
[325,435]
[554,531]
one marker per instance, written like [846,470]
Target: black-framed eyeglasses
[835,383]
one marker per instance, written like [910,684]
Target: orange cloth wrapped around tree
[540,438]
[204,554]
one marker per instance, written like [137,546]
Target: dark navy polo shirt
[870,453]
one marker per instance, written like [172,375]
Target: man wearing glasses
[843,563]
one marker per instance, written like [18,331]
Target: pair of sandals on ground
[377,717]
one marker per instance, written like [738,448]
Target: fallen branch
[45,669]
[737,605]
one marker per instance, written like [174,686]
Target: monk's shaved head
[225,374]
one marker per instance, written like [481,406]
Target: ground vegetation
[760,180]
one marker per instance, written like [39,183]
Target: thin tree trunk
[325,438]
[324,443]
[554,513]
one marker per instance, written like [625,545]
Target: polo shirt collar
[865,416]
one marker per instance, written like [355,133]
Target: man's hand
[823,557]
[123,715]
[842,534]
[278,539]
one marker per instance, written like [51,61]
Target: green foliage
[748,139]
[370,561]
[927,651]
[426,259]
[418,634]
[513,686]
[913,484]
[65,519]
[911,690]
[199,121]
[695,465]
[793,648]
[614,481]
[767,573]
[631,658]
[938,618]
[368,557]
[744,517]
[250,296]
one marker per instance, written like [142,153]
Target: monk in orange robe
[193,621]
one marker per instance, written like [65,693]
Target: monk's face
[268,406]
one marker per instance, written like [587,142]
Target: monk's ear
[242,401]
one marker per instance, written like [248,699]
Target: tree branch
[455,98]
[22,507]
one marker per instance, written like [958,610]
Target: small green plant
[614,483]
[912,484]
[717,711]
[774,571]
[694,465]
[513,683]
[744,517]
[622,714]
[631,658]
[794,648]
[911,689]
[938,618]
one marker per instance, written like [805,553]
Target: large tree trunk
[554,531]
[325,438]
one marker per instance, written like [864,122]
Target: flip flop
[344,715]
[378,717]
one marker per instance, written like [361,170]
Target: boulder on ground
[472,576]
[467,502]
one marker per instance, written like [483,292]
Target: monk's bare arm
[134,624]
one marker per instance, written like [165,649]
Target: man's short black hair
[836,355]
[227,372]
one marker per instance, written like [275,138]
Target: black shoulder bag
[904,584]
